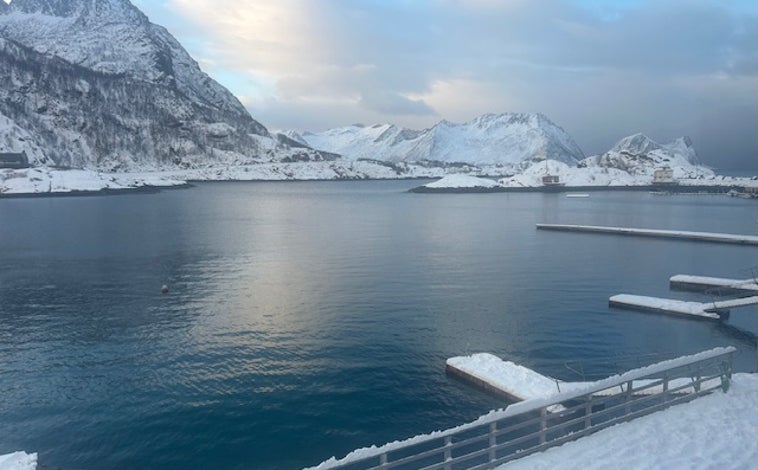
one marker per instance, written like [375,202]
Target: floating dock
[643,303]
[701,310]
[519,383]
[714,285]
[666,234]
[503,378]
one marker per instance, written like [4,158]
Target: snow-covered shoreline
[49,181]
[44,181]
[586,179]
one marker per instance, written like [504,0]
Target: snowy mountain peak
[79,8]
[96,85]
[489,139]
[113,37]
[636,144]
[641,145]
[45,7]
[639,155]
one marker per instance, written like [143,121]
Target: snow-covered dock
[706,311]
[18,461]
[715,285]
[667,234]
[659,305]
[504,378]
[519,383]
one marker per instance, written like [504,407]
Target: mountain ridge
[489,139]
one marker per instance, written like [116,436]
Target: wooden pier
[714,285]
[665,234]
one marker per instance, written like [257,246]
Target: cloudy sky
[600,69]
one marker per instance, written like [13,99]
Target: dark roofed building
[14,160]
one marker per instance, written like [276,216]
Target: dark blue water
[308,319]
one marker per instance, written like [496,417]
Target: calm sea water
[309,319]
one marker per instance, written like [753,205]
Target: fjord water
[308,319]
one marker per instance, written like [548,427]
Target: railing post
[726,372]
[698,378]
[448,452]
[543,425]
[588,412]
[493,441]
[383,461]
[665,387]
[628,397]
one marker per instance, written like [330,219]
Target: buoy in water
[164,289]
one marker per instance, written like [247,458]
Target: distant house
[14,160]
[551,180]
[664,176]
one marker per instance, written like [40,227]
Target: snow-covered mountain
[639,155]
[490,139]
[93,83]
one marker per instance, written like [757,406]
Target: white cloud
[601,73]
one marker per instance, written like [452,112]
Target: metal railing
[536,425]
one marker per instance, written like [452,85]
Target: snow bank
[715,431]
[18,461]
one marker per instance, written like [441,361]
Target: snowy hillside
[94,84]
[633,161]
[113,37]
[638,155]
[490,139]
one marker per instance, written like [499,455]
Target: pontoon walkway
[705,311]
[668,234]
[714,285]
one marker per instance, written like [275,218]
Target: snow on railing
[527,427]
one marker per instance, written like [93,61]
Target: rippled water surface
[307,319]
